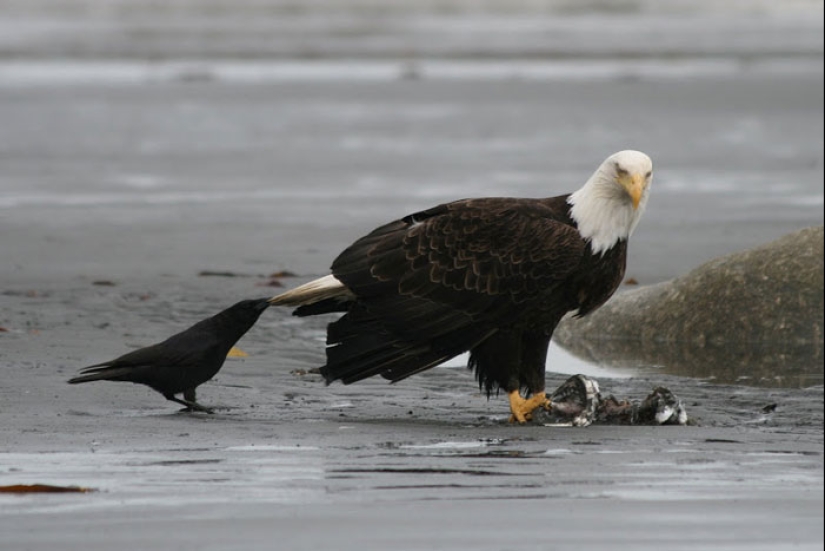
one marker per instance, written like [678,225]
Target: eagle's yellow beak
[634,184]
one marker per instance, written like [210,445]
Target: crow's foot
[191,405]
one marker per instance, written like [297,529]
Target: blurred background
[410,29]
[281,130]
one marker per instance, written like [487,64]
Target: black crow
[183,361]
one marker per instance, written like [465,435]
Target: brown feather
[445,280]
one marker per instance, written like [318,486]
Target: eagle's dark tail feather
[326,306]
[359,346]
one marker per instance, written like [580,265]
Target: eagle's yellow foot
[522,408]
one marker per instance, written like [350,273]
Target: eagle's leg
[522,408]
[533,357]
[189,401]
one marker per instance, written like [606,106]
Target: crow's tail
[103,373]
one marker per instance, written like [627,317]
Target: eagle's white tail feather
[314,291]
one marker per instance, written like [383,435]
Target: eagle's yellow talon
[522,408]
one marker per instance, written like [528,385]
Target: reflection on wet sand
[767,365]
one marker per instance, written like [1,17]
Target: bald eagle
[492,276]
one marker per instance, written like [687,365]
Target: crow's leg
[189,401]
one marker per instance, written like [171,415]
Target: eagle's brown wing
[436,283]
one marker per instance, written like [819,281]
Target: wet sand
[117,188]
[426,463]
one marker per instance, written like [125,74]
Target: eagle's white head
[608,207]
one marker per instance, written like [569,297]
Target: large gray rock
[755,314]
